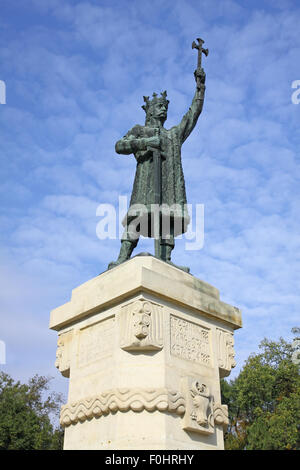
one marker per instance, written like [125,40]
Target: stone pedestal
[144,346]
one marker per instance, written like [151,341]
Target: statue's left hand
[200,76]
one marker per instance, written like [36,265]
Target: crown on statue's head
[156,99]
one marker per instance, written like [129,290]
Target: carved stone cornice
[111,401]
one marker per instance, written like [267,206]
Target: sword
[156,154]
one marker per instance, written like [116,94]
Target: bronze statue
[159,180]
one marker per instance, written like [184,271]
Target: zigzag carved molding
[111,401]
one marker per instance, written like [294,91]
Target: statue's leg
[128,244]
[166,247]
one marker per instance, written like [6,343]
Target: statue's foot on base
[127,247]
[183,268]
[119,261]
[113,264]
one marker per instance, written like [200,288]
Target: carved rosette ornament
[141,326]
[111,401]
[141,319]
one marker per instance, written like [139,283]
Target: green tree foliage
[264,401]
[25,415]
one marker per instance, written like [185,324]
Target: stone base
[144,346]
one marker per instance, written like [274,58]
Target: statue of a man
[141,141]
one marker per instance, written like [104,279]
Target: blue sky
[75,74]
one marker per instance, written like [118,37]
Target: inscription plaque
[190,341]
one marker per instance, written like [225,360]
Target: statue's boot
[165,255]
[126,250]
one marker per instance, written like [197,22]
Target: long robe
[172,178]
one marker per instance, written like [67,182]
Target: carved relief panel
[141,326]
[225,345]
[202,412]
[221,415]
[96,342]
[199,407]
[63,353]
